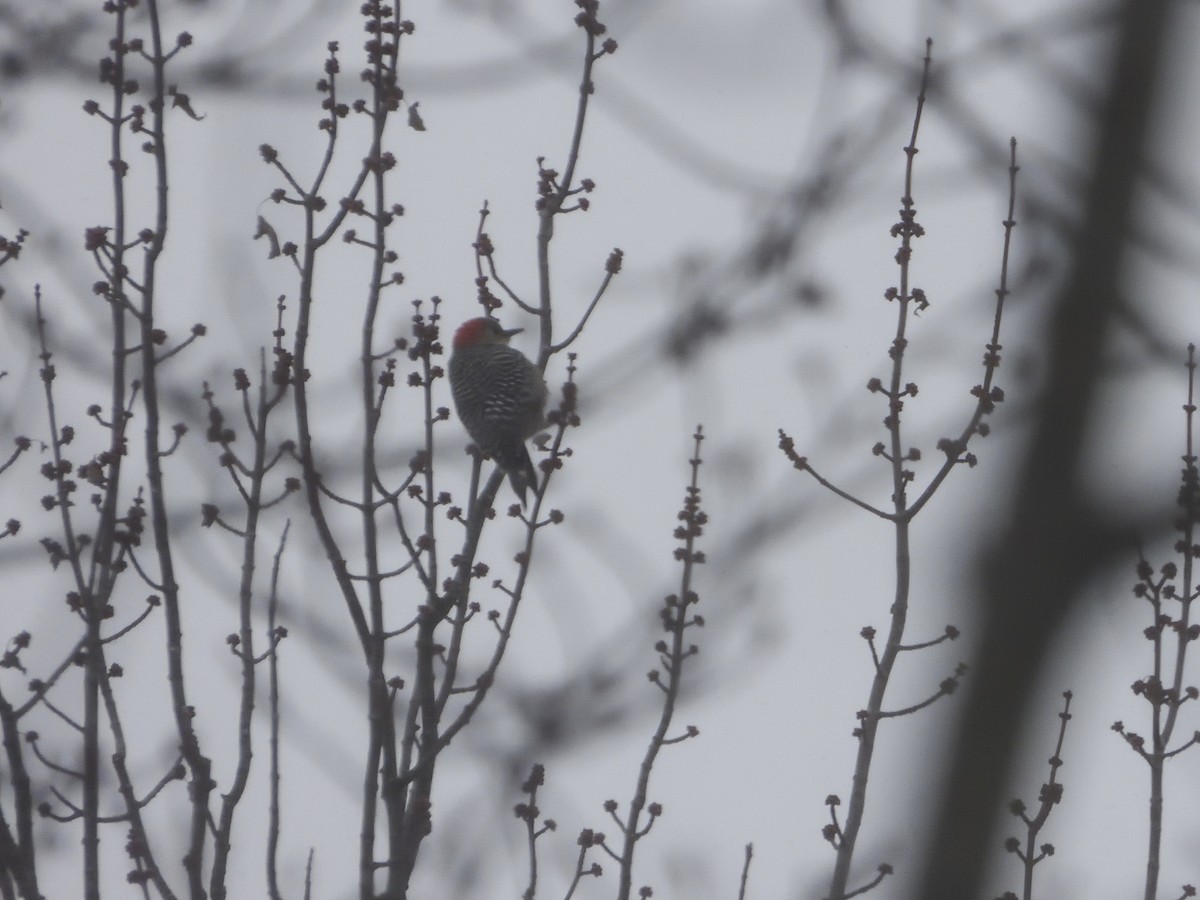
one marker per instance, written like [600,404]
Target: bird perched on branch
[500,396]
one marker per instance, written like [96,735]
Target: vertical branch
[19,853]
[555,191]
[1176,693]
[258,415]
[102,552]
[1049,797]
[678,617]
[907,229]
[305,259]
[275,632]
[382,58]
[411,778]
[1169,634]
[201,767]
[1185,592]
[528,813]
[745,872]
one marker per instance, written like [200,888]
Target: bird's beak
[509,332]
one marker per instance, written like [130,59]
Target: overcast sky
[705,122]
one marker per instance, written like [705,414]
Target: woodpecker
[500,397]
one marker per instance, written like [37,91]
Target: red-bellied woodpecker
[500,397]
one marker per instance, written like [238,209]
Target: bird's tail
[521,473]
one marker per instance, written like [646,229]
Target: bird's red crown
[470,332]
[481,331]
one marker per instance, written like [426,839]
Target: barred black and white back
[500,397]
